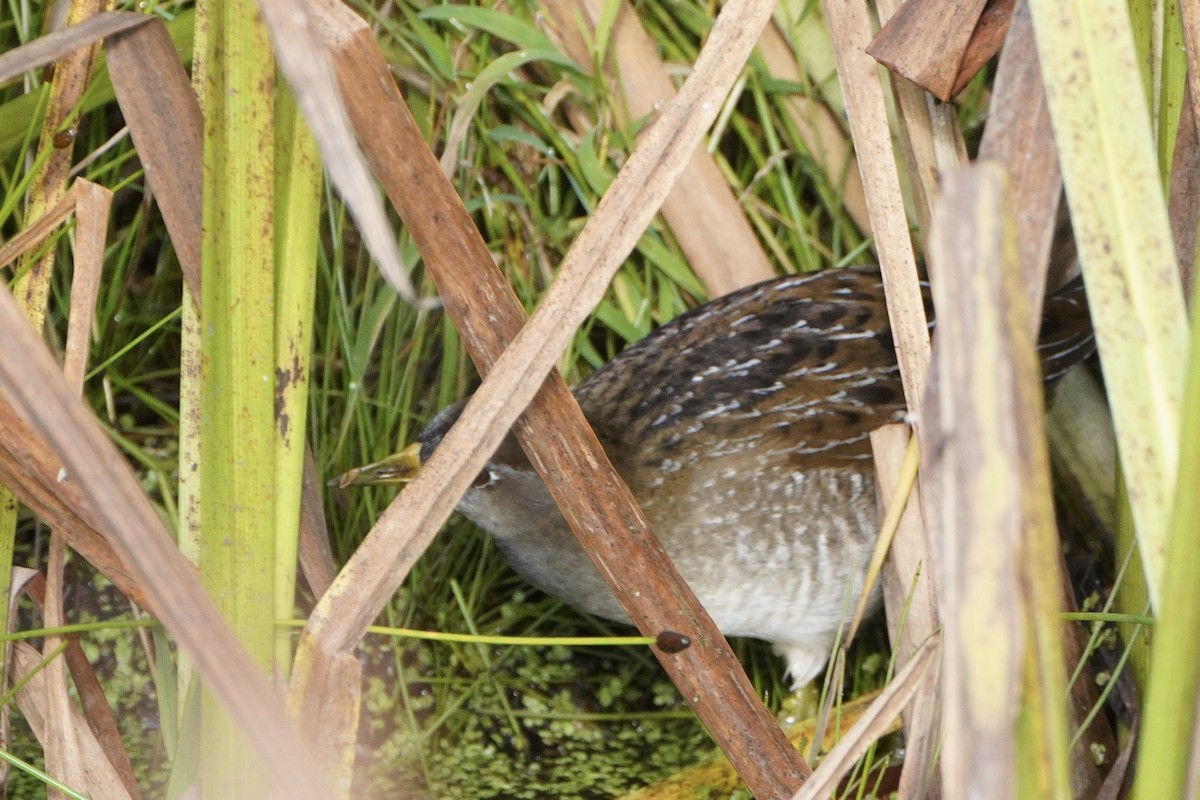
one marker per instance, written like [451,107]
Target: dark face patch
[509,452]
[438,427]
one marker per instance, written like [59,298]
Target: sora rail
[741,427]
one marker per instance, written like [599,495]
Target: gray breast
[786,575]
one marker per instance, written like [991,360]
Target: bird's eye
[482,479]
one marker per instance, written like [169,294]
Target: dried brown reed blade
[1019,136]
[316,556]
[919,674]
[37,231]
[979,572]
[892,507]
[555,435]
[21,577]
[27,466]
[859,78]
[32,471]
[925,41]
[994,476]
[1184,203]
[910,603]
[337,732]
[907,584]
[929,136]
[940,47]
[302,60]
[1191,14]
[54,46]
[987,38]
[91,228]
[1114,786]
[60,747]
[703,213]
[164,122]
[96,710]
[103,782]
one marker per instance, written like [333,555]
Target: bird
[741,428]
